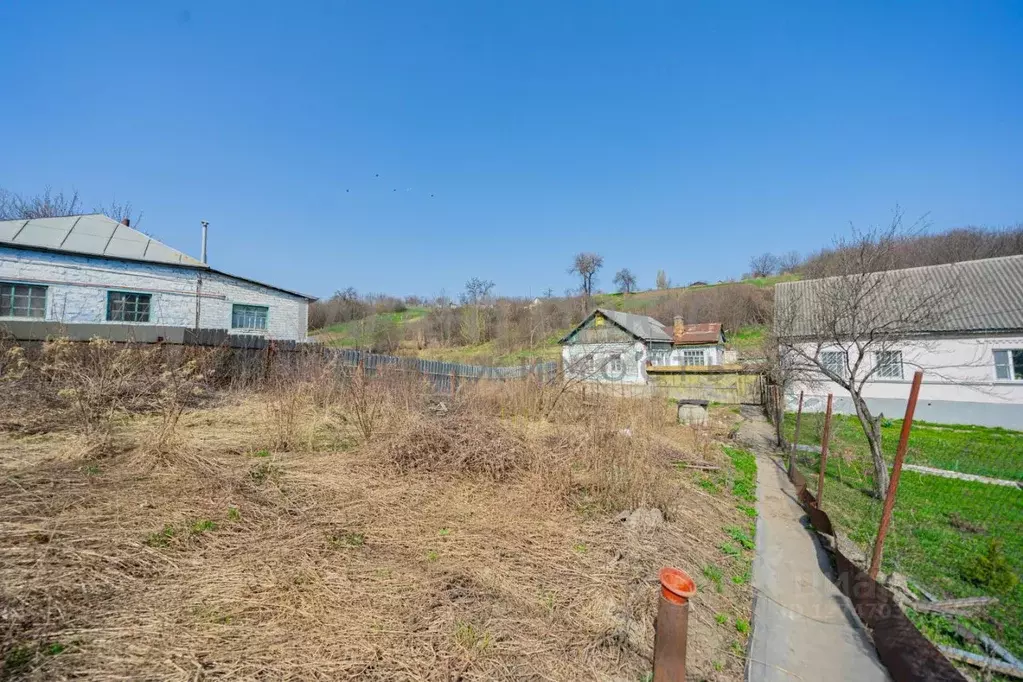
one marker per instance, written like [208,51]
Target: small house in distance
[94,273]
[612,346]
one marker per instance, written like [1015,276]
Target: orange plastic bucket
[676,585]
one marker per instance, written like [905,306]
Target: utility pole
[198,280]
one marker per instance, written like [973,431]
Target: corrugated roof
[91,235]
[642,326]
[697,334]
[971,296]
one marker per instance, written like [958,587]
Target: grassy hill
[403,327]
[358,333]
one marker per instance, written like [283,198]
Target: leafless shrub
[469,444]
[282,410]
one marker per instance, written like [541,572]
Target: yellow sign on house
[598,320]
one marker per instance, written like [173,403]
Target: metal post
[824,452]
[672,625]
[795,436]
[893,482]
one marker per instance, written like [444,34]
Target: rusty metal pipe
[672,626]
[824,452]
[893,482]
[795,437]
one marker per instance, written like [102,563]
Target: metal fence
[954,546]
[445,376]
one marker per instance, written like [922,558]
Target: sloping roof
[641,326]
[698,334]
[971,296]
[99,236]
[91,235]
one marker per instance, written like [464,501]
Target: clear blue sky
[669,135]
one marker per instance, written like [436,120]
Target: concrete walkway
[803,627]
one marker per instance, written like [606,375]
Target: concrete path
[803,627]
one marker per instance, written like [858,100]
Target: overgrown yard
[955,538]
[317,527]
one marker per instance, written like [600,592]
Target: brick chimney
[126,222]
[678,329]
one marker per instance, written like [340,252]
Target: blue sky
[669,135]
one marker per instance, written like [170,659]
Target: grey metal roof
[643,326]
[98,235]
[91,235]
[971,296]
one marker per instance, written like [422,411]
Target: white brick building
[91,269]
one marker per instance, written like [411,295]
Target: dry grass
[441,546]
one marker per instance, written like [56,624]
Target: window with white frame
[660,358]
[585,365]
[889,364]
[249,316]
[1009,364]
[694,357]
[22,300]
[834,361]
[615,365]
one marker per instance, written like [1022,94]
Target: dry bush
[457,444]
[178,386]
[282,409]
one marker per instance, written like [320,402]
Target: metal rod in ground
[824,451]
[795,436]
[893,482]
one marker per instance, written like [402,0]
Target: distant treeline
[907,251]
[477,317]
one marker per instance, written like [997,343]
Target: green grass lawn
[966,449]
[942,528]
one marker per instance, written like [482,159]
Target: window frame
[266,317]
[122,292]
[703,357]
[878,365]
[843,358]
[1010,365]
[616,365]
[8,314]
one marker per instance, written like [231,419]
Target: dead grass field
[271,539]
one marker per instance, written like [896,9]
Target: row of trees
[911,247]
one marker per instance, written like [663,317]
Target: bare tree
[625,281]
[789,261]
[49,204]
[849,327]
[475,299]
[662,280]
[586,266]
[763,265]
[120,212]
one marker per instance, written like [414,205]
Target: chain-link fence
[956,532]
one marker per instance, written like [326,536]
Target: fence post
[893,482]
[453,382]
[824,452]
[795,437]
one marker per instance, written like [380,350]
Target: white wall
[633,361]
[959,385]
[77,289]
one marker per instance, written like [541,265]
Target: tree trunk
[872,430]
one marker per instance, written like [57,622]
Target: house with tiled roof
[613,346]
